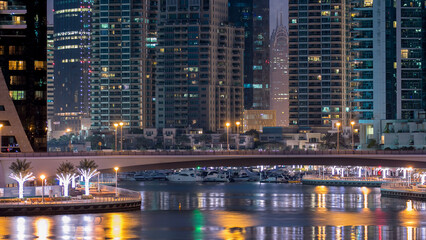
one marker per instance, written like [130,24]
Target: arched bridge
[47,163]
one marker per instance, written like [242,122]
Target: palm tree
[87,168]
[21,172]
[66,172]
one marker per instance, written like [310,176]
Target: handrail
[215,153]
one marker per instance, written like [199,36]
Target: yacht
[185,176]
[215,176]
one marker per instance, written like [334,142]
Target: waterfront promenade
[126,200]
[404,190]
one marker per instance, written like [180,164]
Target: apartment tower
[388,75]
[199,75]
[122,88]
[318,63]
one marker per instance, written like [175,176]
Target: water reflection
[238,211]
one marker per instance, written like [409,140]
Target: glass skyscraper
[253,16]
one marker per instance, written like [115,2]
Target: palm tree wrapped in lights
[88,169]
[66,173]
[21,172]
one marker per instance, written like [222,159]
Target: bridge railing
[376,179]
[214,153]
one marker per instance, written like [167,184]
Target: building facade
[23,108]
[122,88]
[50,73]
[253,16]
[258,119]
[388,79]
[279,74]
[199,73]
[318,63]
[72,58]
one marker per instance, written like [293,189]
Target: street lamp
[121,137]
[68,131]
[115,125]
[352,128]
[42,177]
[238,136]
[116,181]
[1,126]
[227,134]
[338,125]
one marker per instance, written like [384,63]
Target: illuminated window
[3,5]
[16,50]
[368,3]
[294,20]
[17,80]
[18,20]
[17,95]
[17,65]
[1,50]
[40,65]
[314,59]
[404,53]
[39,95]
[325,13]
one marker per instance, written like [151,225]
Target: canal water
[237,211]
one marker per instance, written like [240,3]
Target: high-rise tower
[388,76]
[199,71]
[23,108]
[72,37]
[253,16]
[279,73]
[122,83]
[318,63]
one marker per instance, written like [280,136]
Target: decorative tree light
[423,178]
[66,173]
[87,169]
[21,173]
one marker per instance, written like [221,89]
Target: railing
[404,186]
[369,179]
[214,153]
[124,195]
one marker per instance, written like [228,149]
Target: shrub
[86,197]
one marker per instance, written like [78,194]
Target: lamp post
[115,125]
[68,131]
[1,126]
[227,134]
[238,136]
[352,128]
[42,177]
[338,125]
[121,136]
[116,181]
